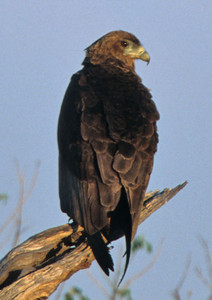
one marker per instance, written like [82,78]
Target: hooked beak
[143,54]
[136,51]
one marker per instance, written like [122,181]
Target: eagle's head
[116,45]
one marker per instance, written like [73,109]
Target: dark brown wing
[88,186]
[107,138]
[79,178]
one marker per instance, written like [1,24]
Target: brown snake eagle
[107,139]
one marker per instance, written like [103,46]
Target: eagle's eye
[124,43]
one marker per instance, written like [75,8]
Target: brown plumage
[107,139]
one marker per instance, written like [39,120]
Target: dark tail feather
[127,253]
[101,252]
[121,219]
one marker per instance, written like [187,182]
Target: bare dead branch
[35,268]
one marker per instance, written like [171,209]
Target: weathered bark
[35,268]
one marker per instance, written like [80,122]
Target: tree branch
[35,268]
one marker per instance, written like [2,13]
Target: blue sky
[42,45]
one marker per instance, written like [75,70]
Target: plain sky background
[41,46]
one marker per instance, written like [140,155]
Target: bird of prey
[107,139]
